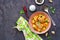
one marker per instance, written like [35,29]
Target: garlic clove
[53,32]
[50,1]
[46,34]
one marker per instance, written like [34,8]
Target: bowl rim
[30,25]
[39,3]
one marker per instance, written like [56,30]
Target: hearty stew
[40,22]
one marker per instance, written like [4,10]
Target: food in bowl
[39,2]
[40,22]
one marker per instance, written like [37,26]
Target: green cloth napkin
[22,25]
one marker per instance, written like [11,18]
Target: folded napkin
[22,25]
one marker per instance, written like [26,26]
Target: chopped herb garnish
[47,21]
[52,9]
[21,12]
[49,37]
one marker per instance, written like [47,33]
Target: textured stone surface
[9,13]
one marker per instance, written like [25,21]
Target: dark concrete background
[9,13]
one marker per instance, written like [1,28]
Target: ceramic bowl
[37,13]
[38,2]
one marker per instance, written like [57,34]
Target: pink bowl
[37,13]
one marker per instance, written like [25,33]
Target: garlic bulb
[32,7]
